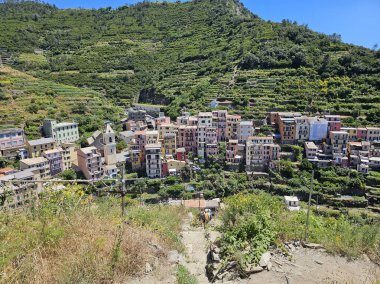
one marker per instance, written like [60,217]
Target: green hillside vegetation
[251,223]
[186,54]
[27,100]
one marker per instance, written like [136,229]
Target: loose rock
[265,258]
[148,267]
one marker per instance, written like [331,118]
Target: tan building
[40,163]
[90,163]
[69,155]
[311,150]
[373,134]
[339,141]
[36,147]
[19,194]
[175,166]
[261,151]
[352,133]
[152,137]
[232,126]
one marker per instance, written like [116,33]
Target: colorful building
[153,160]
[36,147]
[90,163]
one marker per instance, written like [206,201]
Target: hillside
[27,100]
[186,54]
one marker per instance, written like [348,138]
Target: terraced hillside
[26,100]
[186,54]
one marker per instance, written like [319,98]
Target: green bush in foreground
[251,223]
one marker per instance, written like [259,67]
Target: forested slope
[186,54]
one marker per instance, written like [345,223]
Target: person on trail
[202,217]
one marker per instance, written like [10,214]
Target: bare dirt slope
[316,266]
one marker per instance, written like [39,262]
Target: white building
[153,160]
[109,148]
[318,128]
[61,132]
[292,202]
[245,131]
[302,128]
[204,122]
[311,150]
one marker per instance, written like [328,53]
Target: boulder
[269,267]
[148,267]
[265,259]
[253,269]
[312,246]
[175,257]
[230,265]
[215,257]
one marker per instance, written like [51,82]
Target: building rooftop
[28,173]
[63,124]
[41,141]
[53,151]
[205,114]
[291,198]
[34,161]
[246,123]
[11,130]
[6,170]
[127,133]
[339,132]
[88,150]
[154,145]
[311,145]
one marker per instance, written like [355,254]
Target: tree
[306,165]
[69,174]
[287,169]
[121,145]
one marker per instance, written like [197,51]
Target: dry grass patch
[80,243]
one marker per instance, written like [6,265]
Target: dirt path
[196,248]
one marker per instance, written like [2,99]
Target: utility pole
[308,206]
[123,191]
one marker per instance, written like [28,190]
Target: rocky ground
[305,264]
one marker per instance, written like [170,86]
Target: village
[157,147]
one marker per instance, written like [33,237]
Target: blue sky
[358,21]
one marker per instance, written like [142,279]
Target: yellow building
[36,147]
[168,139]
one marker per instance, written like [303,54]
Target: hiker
[202,217]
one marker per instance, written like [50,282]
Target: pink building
[181,154]
[211,150]
[334,122]
[232,150]
[219,121]
[362,133]
[187,138]
[165,169]
[162,119]
[12,138]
